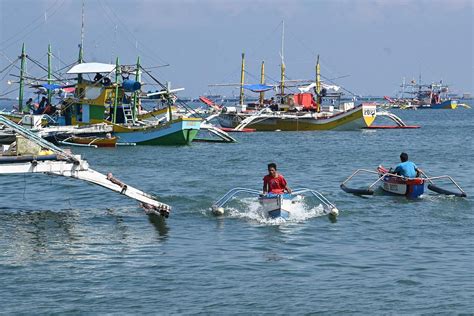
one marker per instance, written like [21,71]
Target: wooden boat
[275,205]
[399,185]
[117,105]
[352,119]
[92,141]
[303,111]
[111,101]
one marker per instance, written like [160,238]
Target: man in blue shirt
[406,168]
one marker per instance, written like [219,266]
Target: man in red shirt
[274,182]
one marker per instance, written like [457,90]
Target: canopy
[258,87]
[331,88]
[90,68]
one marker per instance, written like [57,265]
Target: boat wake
[250,209]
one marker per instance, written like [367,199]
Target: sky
[371,44]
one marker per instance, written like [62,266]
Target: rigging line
[43,67]
[32,31]
[28,25]
[10,65]
[8,92]
[164,87]
[331,81]
[65,67]
[152,55]
[60,60]
[6,73]
[267,38]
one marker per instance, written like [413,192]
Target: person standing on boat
[406,168]
[274,182]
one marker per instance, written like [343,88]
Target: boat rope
[113,17]
[30,28]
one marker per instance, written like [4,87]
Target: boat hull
[445,105]
[95,141]
[277,205]
[178,132]
[411,188]
[354,119]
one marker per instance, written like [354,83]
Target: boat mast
[282,79]
[242,80]
[22,79]
[117,75]
[318,84]
[262,81]
[49,73]
[80,59]
[135,95]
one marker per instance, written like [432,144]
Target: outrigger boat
[399,185]
[112,98]
[32,154]
[301,111]
[275,205]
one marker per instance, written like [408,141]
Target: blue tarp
[50,86]
[258,87]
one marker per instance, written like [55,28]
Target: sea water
[70,247]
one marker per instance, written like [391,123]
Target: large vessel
[434,95]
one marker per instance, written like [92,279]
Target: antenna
[282,41]
[82,26]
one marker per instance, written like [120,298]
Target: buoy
[334,211]
[218,210]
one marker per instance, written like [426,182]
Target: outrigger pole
[242,80]
[22,78]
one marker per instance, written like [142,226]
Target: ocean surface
[67,247]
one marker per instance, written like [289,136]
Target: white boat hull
[278,205]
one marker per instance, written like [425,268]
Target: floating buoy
[218,211]
[334,211]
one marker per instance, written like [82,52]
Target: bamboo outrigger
[32,154]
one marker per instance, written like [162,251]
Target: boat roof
[88,68]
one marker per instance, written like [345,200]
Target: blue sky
[375,42]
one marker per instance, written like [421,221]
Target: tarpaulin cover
[50,86]
[257,87]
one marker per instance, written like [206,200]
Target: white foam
[250,209]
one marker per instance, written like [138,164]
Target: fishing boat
[322,109]
[398,185]
[111,98]
[118,103]
[32,154]
[275,205]
[434,95]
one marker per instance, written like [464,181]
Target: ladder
[128,114]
